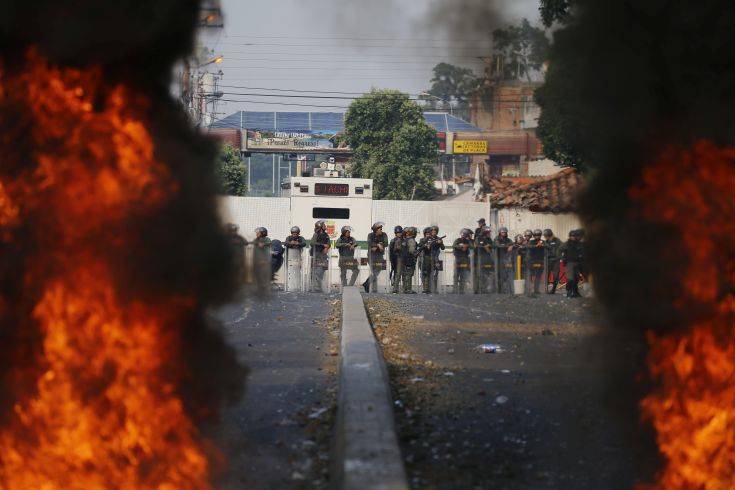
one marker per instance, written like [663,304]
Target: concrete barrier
[366,453]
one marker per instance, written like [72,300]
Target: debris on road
[489,348]
[318,412]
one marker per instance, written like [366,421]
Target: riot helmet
[261,231]
[398,229]
[465,233]
[527,234]
[503,231]
[295,229]
[537,233]
[481,221]
[320,225]
[548,233]
[346,229]
[377,225]
[427,230]
[486,230]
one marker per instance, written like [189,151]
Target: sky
[278,53]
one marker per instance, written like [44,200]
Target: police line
[530,264]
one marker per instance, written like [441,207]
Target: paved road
[278,435]
[546,412]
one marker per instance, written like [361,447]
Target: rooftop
[323,122]
[553,194]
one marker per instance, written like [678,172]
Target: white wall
[519,219]
[251,212]
[540,168]
[449,216]
[276,214]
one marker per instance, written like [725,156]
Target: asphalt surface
[553,408]
[278,435]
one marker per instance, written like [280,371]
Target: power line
[285,103]
[362,55]
[333,68]
[325,77]
[361,96]
[353,38]
[290,96]
[332,60]
[354,46]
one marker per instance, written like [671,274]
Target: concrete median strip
[366,454]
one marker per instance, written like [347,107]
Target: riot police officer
[295,240]
[461,249]
[572,256]
[319,252]
[553,244]
[377,243]
[504,248]
[486,261]
[294,245]
[394,249]
[262,257]
[408,259]
[536,256]
[396,253]
[346,245]
[430,248]
[476,257]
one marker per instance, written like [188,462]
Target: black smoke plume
[179,251]
[627,79]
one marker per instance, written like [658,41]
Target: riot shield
[471,278]
[536,269]
[486,271]
[294,282]
[378,273]
[462,273]
[262,268]
[319,264]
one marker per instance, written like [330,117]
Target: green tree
[392,144]
[231,172]
[523,48]
[451,84]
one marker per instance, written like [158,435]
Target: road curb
[366,454]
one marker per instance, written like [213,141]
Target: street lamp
[448,102]
[214,61]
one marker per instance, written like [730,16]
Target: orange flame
[104,411]
[693,407]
